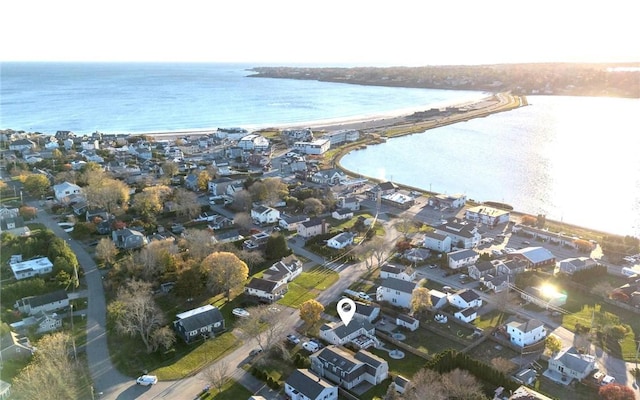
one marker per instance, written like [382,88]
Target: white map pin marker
[346,315]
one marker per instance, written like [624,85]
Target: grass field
[491,319]
[308,285]
[232,390]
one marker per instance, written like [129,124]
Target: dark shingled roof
[399,284]
[198,317]
[37,301]
[307,383]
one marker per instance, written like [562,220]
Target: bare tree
[136,313]
[243,221]
[170,169]
[163,337]
[365,252]
[379,249]
[106,251]
[186,203]
[404,225]
[263,325]
[503,365]
[457,384]
[225,272]
[242,201]
[313,206]
[252,258]
[199,242]
[218,374]
[52,374]
[152,258]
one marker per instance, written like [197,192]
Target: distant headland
[567,79]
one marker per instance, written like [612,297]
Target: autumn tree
[528,220]
[553,343]
[170,169]
[28,212]
[276,190]
[52,374]
[135,313]
[186,203]
[106,251]
[225,272]
[420,302]
[243,221]
[404,225]
[199,243]
[203,180]
[150,201]
[313,206]
[242,201]
[258,191]
[311,311]
[154,258]
[456,384]
[616,391]
[107,193]
[37,185]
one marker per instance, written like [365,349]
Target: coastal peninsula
[567,79]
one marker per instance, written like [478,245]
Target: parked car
[363,296]
[146,380]
[310,346]
[526,242]
[293,339]
[496,253]
[240,312]
[255,352]
[509,250]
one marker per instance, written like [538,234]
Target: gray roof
[338,357]
[307,383]
[341,330]
[435,236]
[37,301]
[369,358]
[575,361]
[265,285]
[391,268]
[468,295]
[526,326]
[536,254]
[485,266]
[467,311]
[199,317]
[312,222]
[456,228]
[462,254]
[399,284]
[365,309]
[343,237]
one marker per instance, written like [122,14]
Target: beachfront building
[337,138]
[317,147]
[487,215]
[444,201]
[254,142]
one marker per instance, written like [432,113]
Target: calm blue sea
[152,97]
[574,159]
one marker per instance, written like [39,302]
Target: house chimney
[324,226]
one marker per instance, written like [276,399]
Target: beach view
[269,201]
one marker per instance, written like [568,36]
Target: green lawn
[491,319]
[297,295]
[308,285]
[200,355]
[232,390]
[431,343]
[406,367]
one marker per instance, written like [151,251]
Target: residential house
[312,227]
[199,322]
[332,176]
[227,236]
[408,322]
[526,393]
[64,190]
[526,376]
[535,257]
[524,333]
[256,241]
[437,242]
[438,299]
[360,332]
[341,240]
[253,142]
[401,384]
[398,199]
[303,384]
[511,267]
[342,214]
[290,222]
[368,312]
[396,291]
[381,189]
[218,187]
[285,270]
[350,202]
[571,265]
[30,268]
[191,182]
[444,201]
[487,215]
[296,135]
[398,272]
[128,239]
[462,258]
[570,364]
[559,239]
[466,314]
[342,136]
[47,302]
[14,225]
[13,345]
[348,370]
[42,321]
[5,390]
[498,283]
[463,234]
[21,145]
[264,215]
[465,298]
[481,270]
[543,297]
[416,255]
[265,289]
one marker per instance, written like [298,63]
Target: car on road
[509,250]
[496,253]
[240,312]
[293,339]
[146,380]
[446,288]
[66,226]
[255,352]
[432,266]
[526,242]
[311,346]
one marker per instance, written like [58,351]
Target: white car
[240,312]
[293,339]
[364,296]
[146,380]
[509,250]
[66,226]
[310,346]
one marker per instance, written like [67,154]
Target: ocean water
[575,159]
[152,97]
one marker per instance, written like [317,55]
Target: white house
[405,273]
[341,240]
[447,201]
[290,222]
[266,289]
[312,227]
[303,384]
[543,297]
[407,322]
[265,215]
[359,331]
[64,190]
[284,270]
[571,364]
[332,176]
[463,234]
[43,303]
[348,370]
[465,298]
[396,291]
[467,314]
[318,146]
[31,268]
[253,142]
[368,312]
[437,242]
[342,214]
[571,265]
[438,299]
[525,333]
[462,258]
